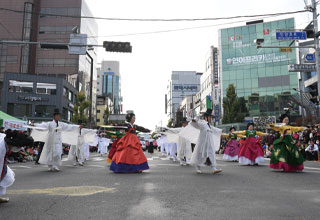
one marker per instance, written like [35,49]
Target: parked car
[143,143]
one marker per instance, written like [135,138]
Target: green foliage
[234,108]
[170,123]
[79,108]
[106,114]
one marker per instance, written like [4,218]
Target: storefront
[34,97]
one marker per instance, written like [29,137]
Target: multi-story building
[210,85]
[35,97]
[46,21]
[181,84]
[109,84]
[261,75]
[104,107]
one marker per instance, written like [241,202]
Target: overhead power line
[155,19]
[167,31]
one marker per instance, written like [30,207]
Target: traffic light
[112,46]
[54,46]
[310,30]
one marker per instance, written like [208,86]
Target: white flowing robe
[78,150]
[8,179]
[184,145]
[103,144]
[52,149]
[208,141]
[161,142]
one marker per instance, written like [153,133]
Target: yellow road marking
[65,191]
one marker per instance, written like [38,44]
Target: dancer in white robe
[184,151]
[103,144]
[52,149]
[208,142]
[78,151]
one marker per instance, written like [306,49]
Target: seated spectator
[301,148]
[312,151]
[269,150]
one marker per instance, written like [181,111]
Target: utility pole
[316,43]
[91,82]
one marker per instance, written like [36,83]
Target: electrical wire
[166,31]
[154,19]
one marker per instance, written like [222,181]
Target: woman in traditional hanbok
[129,156]
[251,151]
[286,154]
[232,148]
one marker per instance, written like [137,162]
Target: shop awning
[10,122]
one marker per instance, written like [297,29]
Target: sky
[145,72]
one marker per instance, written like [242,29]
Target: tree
[79,108]
[170,123]
[106,114]
[232,107]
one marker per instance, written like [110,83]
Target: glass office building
[260,76]
[111,89]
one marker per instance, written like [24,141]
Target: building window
[20,86]
[70,96]
[19,110]
[65,92]
[70,116]
[98,120]
[44,111]
[57,62]
[98,111]
[65,113]
[55,29]
[46,88]
[49,12]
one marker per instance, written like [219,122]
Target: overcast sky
[146,71]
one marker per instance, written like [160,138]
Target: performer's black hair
[129,116]
[232,128]
[283,116]
[18,139]
[251,123]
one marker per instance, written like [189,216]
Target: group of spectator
[307,141]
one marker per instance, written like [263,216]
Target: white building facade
[210,85]
[181,84]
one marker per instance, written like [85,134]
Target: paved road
[166,191]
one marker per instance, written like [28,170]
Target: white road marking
[91,165]
[27,167]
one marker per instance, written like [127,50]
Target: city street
[166,191]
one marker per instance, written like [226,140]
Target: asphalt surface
[166,191]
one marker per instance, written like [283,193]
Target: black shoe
[36,163]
